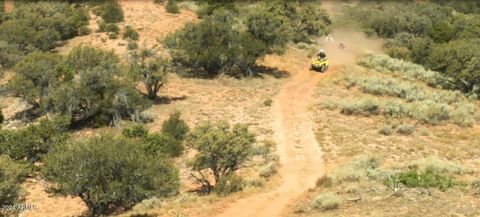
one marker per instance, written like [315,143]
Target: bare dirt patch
[150,20]
[47,205]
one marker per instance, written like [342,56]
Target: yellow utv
[320,62]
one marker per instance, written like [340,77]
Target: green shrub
[132,45]
[163,144]
[407,70]
[84,30]
[110,96]
[268,102]
[112,27]
[136,131]
[303,19]
[438,165]
[112,35]
[34,141]
[36,75]
[130,33]
[405,129]
[175,126]
[361,168]
[102,26]
[328,104]
[124,174]
[395,109]
[326,201]
[11,176]
[39,25]
[227,47]
[111,12]
[172,7]
[386,130]
[220,149]
[151,69]
[268,170]
[463,115]
[85,58]
[365,106]
[428,179]
[429,112]
[229,184]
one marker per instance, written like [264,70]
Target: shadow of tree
[167,99]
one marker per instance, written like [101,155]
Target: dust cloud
[356,44]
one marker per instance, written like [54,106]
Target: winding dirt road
[299,152]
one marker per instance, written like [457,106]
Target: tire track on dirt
[300,155]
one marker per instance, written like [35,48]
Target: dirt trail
[299,152]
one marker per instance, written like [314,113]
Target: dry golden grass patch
[343,138]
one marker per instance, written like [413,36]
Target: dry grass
[344,136]
[445,148]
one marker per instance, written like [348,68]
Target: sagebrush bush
[463,114]
[365,106]
[429,112]
[172,7]
[84,30]
[102,26]
[361,168]
[229,184]
[438,165]
[111,12]
[326,201]
[407,70]
[112,27]
[268,170]
[405,129]
[395,109]
[386,130]
[136,131]
[130,33]
[11,176]
[175,126]
[132,45]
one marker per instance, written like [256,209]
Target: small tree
[221,150]
[11,175]
[33,142]
[204,47]
[175,126]
[172,7]
[100,95]
[108,172]
[130,33]
[163,144]
[36,75]
[150,69]
[136,131]
[111,12]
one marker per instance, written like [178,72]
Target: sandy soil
[47,205]
[300,155]
[150,20]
